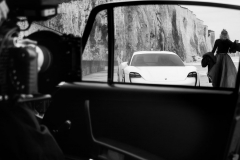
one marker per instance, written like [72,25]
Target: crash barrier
[89,67]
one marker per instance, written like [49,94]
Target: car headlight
[192,74]
[134,75]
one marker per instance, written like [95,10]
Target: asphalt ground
[102,76]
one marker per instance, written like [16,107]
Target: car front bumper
[187,82]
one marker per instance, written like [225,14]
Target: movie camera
[37,63]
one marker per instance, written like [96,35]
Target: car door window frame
[111,39]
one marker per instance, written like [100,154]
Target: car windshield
[156,60]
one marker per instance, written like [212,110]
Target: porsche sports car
[158,67]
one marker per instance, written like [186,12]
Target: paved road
[102,76]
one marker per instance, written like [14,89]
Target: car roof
[154,52]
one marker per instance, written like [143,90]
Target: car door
[107,119]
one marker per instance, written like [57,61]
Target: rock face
[161,27]
[153,27]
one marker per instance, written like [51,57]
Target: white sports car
[157,67]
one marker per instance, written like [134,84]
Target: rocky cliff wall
[166,27]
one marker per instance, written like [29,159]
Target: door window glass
[174,45]
[95,55]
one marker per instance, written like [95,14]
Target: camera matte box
[32,3]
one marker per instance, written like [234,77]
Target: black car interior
[143,121]
[116,121]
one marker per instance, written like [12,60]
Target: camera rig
[36,64]
[34,10]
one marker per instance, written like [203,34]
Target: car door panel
[145,118]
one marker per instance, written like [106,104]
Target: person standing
[224,72]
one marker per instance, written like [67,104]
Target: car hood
[163,73]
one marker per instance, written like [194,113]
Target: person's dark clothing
[222,46]
[22,137]
[208,60]
[224,72]
[235,47]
